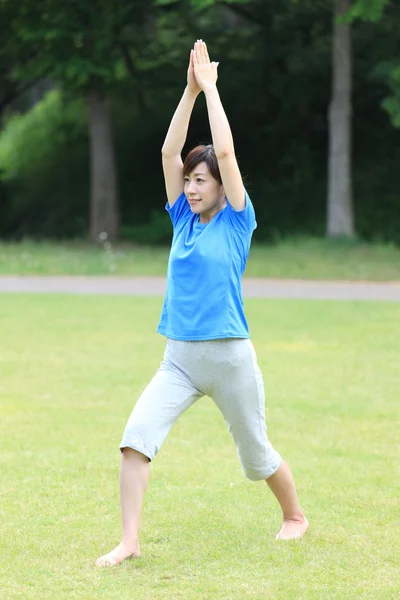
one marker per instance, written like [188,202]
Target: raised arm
[206,77]
[176,137]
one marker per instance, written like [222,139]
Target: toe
[106,561]
[292,536]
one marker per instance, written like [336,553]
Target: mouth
[191,201]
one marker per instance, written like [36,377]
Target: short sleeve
[180,210]
[243,221]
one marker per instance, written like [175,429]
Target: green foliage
[384,13]
[199,4]
[158,230]
[392,103]
[12,54]
[77,45]
[29,141]
[42,154]
[194,3]
[275,84]
[368,10]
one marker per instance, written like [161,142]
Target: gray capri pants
[227,371]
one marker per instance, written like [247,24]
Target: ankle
[296,517]
[130,543]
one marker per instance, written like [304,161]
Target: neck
[206,217]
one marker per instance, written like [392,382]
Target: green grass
[296,258]
[71,369]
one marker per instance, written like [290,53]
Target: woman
[208,348]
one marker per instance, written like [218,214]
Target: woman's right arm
[176,137]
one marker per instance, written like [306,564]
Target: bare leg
[282,485]
[133,481]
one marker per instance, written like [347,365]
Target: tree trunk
[340,221]
[104,210]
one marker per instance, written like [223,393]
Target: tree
[340,216]
[12,54]
[275,70]
[85,49]
[373,11]
[88,49]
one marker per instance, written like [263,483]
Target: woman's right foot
[293,529]
[119,554]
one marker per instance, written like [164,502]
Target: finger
[205,51]
[197,52]
[195,56]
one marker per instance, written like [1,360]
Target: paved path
[252,287]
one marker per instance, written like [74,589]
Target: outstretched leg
[239,394]
[281,483]
[133,481]
[167,396]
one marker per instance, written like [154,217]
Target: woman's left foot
[292,529]
[119,554]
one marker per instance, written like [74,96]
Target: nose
[190,187]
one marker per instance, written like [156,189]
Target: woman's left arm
[206,76]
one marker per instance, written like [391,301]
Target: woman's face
[205,194]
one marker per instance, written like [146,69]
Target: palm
[205,71]
[191,78]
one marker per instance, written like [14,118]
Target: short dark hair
[200,154]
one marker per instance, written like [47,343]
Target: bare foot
[116,556]
[292,529]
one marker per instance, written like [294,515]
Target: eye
[186,179]
[199,180]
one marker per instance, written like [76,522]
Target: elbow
[224,153]
[165,153]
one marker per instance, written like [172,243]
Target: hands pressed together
[202,74]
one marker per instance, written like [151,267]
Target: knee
[139,438]
[132,454]
[262,469]
[252,474]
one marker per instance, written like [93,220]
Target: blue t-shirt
[203,299]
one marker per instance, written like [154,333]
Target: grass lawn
[71,369]
[297,258]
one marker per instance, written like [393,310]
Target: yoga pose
[208,350]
